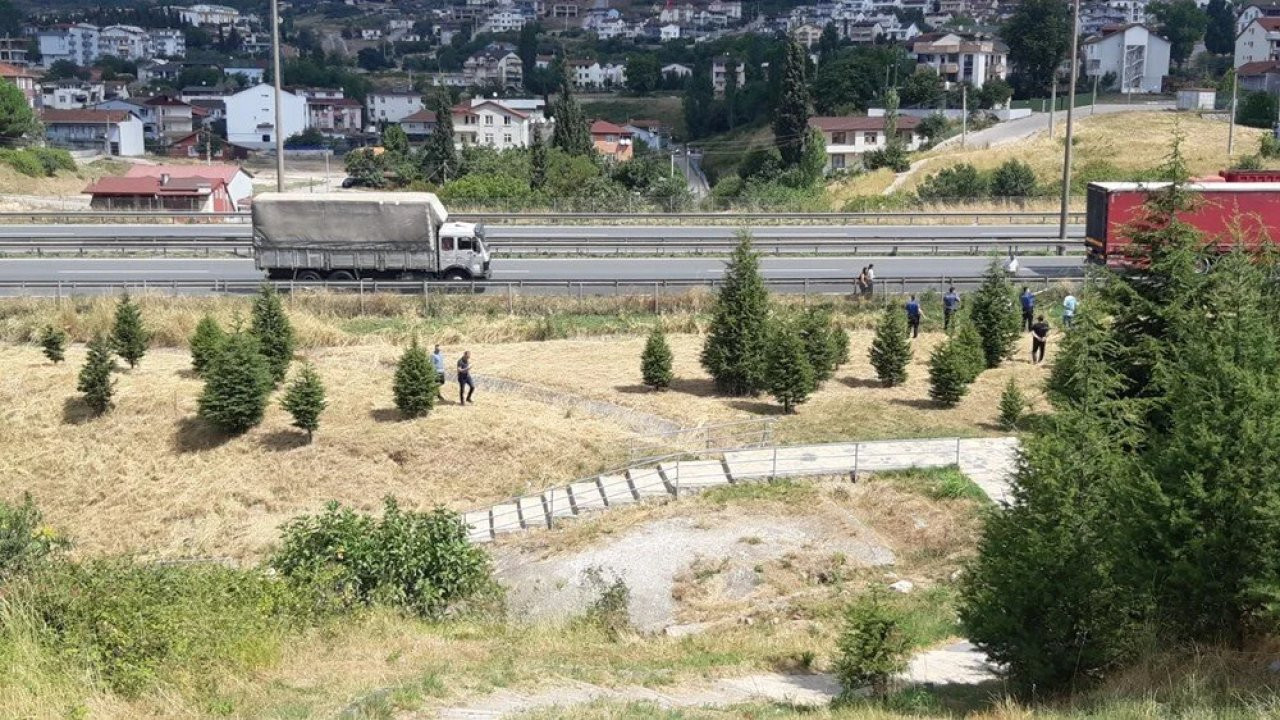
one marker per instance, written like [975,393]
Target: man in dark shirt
[464,379]
[950,303]
[1028,307]
[914,313]
[1039,338]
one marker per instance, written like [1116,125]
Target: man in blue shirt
[437,360]
[950,304]
[1069,309]
[914,314]
[1028,308]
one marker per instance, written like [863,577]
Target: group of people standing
[867,280]
[1032,323]
[466,386]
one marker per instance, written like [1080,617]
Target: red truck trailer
[1227,212]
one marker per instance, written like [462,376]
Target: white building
[254,74]
[960,58]
[492,124]
[720,72]
[71,94]
[1255,10]
[251,120]
[76,43]
[392,107]
[496,64]
[1137,57]
[847,138]
[506,20]
[807,34]
[209,15]
[114,132]
[167,43]
[669,32]
[1259,41]
[729,8]
[128,42]
[677,70]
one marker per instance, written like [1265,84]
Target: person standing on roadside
[1028,300]
[1039,340]
[914,314]
[950,304]
[1069,304]
[437,361]
[466,388]
[864,285]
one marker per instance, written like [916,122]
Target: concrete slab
[532,514]
[557,502]
[506,518]
[586,496]
[477,525]
[903,454]
[688,476]
[648,482]
[617,490]
[791,461]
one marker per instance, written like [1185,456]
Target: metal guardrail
[654,288]
[976,217]
[620,246]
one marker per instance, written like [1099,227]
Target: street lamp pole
[275,60]
[1071,104]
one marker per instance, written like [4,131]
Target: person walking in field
[466,388]
[1028,300]
[437,361]
[950,304]
[1039,340]
[1069,304]
[914,315]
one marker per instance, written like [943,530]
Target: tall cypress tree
[791,116]
[734,351]
[537,159]
[273,331]
[128,336]
[439,154]
[571,133]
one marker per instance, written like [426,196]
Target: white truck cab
[463,252]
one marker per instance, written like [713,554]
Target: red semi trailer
[1227,212]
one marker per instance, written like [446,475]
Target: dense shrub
[25,541]
[24,161]
[957,182]
[53,160]
[1013,178]
[419,561]
[872,646]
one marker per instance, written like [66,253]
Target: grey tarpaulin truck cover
[347,221]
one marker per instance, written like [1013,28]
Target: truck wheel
[309,276]
[455,276]
[341,276]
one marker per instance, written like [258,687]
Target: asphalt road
[524,232]
[160,270]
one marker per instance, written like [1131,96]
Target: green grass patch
[943,483]
[784,491]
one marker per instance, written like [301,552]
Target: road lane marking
[133,272]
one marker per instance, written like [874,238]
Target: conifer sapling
[949,373]
[891,349]
[274,333]
[1012,406]
[791,377]
[414,386]
[655,362]
[305,400]
[95,379]
[53,341]
[207,341]
[128,336]
[237,382]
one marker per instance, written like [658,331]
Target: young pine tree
[791,377]
[237,382]
[304,400]
[271,327]
[872,647]
[95,377]
[949,373]
[995,315]
[655,362]
[128,336]
[891,348]
[414,386]
[826,343]
[1012,406]
[735,350]
[969,345]
[53,341]
[206,342]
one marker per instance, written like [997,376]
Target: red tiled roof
[1262,67]
[152,186]
[1269,23]
[422,116]
[855,123]
[84,117]
[221,173]
[12,71]
[164,100]
[604,127]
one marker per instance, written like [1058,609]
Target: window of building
[506,120]
[837,138]
[506,139]
[488,119]
[488,138]
[266,138]
[871,137]
[837,162]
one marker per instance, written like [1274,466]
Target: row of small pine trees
[982,337]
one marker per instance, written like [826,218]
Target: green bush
[958,182]
[825,342]
[25,542]
[872,646]
[1269,146]
[419,561]
[891,348]
[136,624]
[1013,178]
[53,160]
[206,343]
[24,161]
[1247,162]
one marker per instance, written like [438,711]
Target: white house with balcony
[205,15]
[1137,57]
[392,107]
[496,64]
[961,58]
[848,137]
[1259,41]
[128,42]
[114,132]
[251,119]
[492,124]
[76,43]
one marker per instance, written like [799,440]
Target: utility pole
[275,61]
[1053,101]
[1231,129]
[964,115]
[1071,105]
[1093,106]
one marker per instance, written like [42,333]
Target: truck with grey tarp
[356,236]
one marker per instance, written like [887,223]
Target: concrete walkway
[959,663]
[987,461]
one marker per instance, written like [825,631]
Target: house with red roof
[848,137]
[492,124]
[23,78]
[238,182]
[611,141]
[1258,41]
[114,132]
[335,116]
[163,192]
[418,125]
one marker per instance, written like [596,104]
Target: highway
[162,270]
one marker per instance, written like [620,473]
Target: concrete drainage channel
[987,461]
